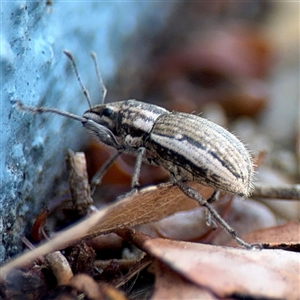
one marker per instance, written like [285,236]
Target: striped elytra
[190,147]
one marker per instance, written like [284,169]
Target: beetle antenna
[103,88]
[38,110]
[85,91]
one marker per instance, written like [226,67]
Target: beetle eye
[107,112]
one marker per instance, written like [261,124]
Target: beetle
[190,147]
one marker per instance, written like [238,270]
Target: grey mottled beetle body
[188,146]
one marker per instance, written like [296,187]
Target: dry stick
[78,181]
[64,239]
[288,191]
[60,267]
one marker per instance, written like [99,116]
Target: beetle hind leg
[210,222]
[192,193]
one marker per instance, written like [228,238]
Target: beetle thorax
[135,122]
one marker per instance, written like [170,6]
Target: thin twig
[288,191]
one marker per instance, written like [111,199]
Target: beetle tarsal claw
[209,221]
[129,194]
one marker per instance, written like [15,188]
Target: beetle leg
[214,197]
[97,178]
[209,221]
[137,168]
[192,193]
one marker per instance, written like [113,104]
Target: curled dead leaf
[170,285]
[268,274]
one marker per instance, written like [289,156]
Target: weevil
[190,147]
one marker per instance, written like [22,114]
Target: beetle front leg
[192,193]
[136,173]
[97,178]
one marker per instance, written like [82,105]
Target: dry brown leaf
[150,204]
[229,271]
[112,293]
[187,225]
[169,285]
[285,236]
[83,283]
